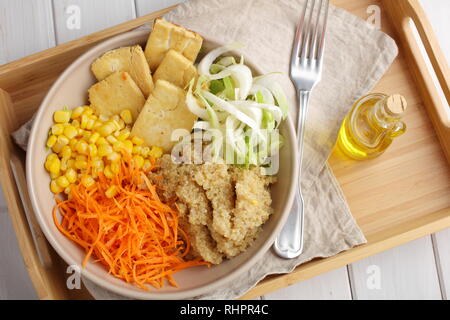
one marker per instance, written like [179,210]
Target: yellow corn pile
[80,137]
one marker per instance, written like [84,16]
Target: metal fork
[306,71]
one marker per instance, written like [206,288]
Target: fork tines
[310,34]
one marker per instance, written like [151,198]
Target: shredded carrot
[134,234]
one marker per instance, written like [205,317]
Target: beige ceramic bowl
[71,90]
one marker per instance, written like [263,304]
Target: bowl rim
[185,294]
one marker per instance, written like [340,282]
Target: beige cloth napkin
[356,56]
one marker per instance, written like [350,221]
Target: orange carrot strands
[134,234]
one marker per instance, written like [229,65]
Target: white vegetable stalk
[205,65]
[242,76]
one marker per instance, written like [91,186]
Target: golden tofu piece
[166,36]
[115,93]
[176,69]
[164,112]
[128,59]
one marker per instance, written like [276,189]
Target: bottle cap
[396,104]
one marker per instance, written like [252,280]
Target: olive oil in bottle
[371,125]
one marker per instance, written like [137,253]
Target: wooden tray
[399,197]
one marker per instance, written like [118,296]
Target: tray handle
[401,12]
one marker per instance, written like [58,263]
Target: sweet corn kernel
[128,146]
[55,188]
[137,141]
[52,156]
[86,134]
[57,129]
[112,192]
[73,143]
[145,151]
[111,139]
[88,111]
[121,124]
[108,172]
[70,131]
[75,123]
[84,121]
[63,140]
[54,175]
[68,190]
[103,118]
[126,116]
[147,165]
[81,157]
[66,152]
[115,167]
[115,124]
[82,147]
[57,147]
[104,150]
[51,141]
[92,150]
[71,175]
[63,182]
[81,164]
[62,116]
[97,124]
[139,161]
[101,141]
[90,124]
[98,164]
[71,164]
[118,146]
[94,137]
[76,113]
[106,129]
[87,181]
[113,156]
[156,152]
[137,150]
[64,164]
[123,135]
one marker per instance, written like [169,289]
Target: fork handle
[303,97]
[289,243]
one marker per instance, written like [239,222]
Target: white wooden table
[418,270]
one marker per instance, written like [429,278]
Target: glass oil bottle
[372,124]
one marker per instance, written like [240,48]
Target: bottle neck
[383,116]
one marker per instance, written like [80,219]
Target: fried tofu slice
[128,59]
[176,69]
[164,112]
[166,36]
[115,93]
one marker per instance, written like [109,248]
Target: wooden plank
[442,251]
[144,6]
[93,16]
[406,272]
[14,279]
[26,27]
[333,285]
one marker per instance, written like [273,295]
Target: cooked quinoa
[221,207]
